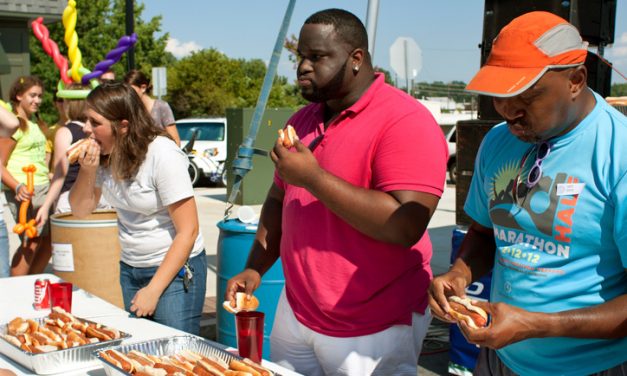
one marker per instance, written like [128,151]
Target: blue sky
[447,31]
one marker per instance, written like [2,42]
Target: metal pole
[243,161]
[130,26]
[406,64]
[371,24]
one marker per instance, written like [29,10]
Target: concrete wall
[31,8]
[14,39]
[15,18]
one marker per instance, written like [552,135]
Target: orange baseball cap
[524,50]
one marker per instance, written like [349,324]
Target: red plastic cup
[61,295]
[250,334]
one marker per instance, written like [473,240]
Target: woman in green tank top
[27,146]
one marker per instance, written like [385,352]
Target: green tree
[619,90]
[100,24]
[386,74]
[453,89]
[208,82]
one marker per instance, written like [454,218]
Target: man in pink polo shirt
[348,213]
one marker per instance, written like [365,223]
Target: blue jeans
[177,308]
[5,269]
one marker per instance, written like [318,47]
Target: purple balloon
[112,57]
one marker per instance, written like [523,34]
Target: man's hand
[296,166]
[247,281]
[451,283]
[508,324]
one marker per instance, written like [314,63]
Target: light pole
[130,28]
[371,25]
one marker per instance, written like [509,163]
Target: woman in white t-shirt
[143,175]
[8,126]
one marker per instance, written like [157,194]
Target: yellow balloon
[71,40]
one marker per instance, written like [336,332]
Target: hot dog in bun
[242,303]
[462,309]
[74,151]
[287,136]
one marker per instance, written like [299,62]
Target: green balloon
[63,92]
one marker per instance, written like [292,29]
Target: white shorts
[393,351]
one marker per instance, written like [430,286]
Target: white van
[208,154]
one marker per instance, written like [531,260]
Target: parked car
[208,151]
[451,165]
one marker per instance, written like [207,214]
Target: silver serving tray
[58,361]
[168,346]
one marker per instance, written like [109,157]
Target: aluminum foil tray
[168,346]
[59,361]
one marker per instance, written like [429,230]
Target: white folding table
[16,299]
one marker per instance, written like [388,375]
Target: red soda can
[42,294]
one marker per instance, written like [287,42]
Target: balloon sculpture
[71,39]
[23,226]
[77,72]
[124,44]
[51,48]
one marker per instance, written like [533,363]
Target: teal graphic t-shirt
[562,244]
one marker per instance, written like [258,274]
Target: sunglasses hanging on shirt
[520,189]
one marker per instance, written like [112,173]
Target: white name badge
[570,189]
[62,257]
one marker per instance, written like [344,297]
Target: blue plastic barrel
[234,243]
[463,355]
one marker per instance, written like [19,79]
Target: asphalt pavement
[211,202]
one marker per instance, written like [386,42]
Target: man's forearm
[267,244]
[607,320]
[476,255]
[374,213]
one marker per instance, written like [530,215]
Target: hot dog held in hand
[87,152]
[462,309]
[288,136]
[242,303]
[74,151]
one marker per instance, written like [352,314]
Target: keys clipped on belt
[187,275]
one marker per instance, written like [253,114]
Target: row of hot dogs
[185,363]
[60,330]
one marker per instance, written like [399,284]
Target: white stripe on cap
[560,39]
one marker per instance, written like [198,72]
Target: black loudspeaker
[599,75]
[595,20]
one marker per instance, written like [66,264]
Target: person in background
[143,174]
[348,214]
[107,76]
[158,109]
[52,131]
[8,125]
[65,174]
[547,200]
[27,146]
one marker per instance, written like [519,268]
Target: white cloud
[178,49]
[619,49]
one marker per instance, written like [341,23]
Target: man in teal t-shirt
[548,200]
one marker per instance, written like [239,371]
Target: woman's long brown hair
[117,101]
